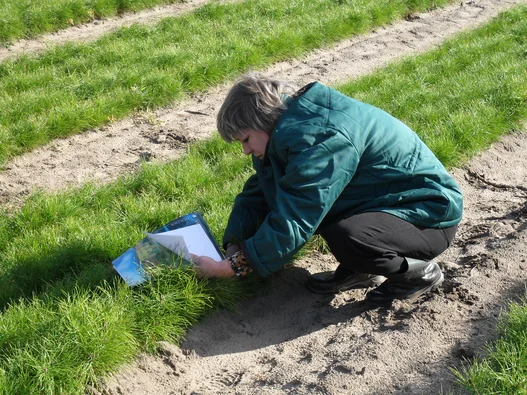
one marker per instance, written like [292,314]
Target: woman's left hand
[208,267]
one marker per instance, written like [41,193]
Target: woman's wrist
[231,249]
[238,264]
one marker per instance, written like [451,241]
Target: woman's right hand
[207,267]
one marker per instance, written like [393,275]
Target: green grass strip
[503,371]
[29,18]
[55,253]
[75,87]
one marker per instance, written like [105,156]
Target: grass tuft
[52,345]
[503,370]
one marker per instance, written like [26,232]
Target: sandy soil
[289,340]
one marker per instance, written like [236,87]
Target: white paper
[174,243]
[188,240]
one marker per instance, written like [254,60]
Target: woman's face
[254,142]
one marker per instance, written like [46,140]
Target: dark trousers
[377,243]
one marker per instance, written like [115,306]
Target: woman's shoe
[341,280]
[419,278]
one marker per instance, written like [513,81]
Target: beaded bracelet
[239,264]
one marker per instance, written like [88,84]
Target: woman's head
[253,103]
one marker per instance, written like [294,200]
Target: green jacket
[331,157]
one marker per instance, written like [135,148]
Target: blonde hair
[254,102]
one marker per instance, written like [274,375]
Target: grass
[66,320]
[77,86]
[29,18]
[56,345]
[503,371]
[51,346]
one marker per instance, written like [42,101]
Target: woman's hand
[208,267]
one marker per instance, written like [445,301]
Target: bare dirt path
[289,341]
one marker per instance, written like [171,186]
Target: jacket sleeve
[249,211]
[319,166]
